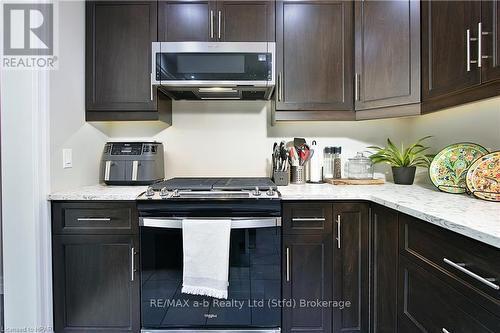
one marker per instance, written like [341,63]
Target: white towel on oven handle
[206,257]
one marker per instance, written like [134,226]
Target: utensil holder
[298,175]
[281,178]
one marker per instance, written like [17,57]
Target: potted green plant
[403,161]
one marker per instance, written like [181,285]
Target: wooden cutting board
[345,181]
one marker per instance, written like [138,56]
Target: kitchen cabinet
[118,62]
[350,266]
[427,304]
[490,52]
[446,65]
[459,64]
[383,259]
[314,60]
[307,266]
[307,277]
[216,21]
[95,270]
[246,21]
[387,58]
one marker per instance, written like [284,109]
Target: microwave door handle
[135,169]
[244,223]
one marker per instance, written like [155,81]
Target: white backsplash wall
[68,128]
[236,138]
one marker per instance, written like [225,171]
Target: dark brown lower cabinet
[350,266]
[384,251]
[427,304]
[96,283]
[307,276]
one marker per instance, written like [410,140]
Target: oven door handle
[236,223]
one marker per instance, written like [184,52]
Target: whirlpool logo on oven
[29,36]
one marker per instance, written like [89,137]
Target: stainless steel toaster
[132,163]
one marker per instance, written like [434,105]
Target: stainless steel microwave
[221,70]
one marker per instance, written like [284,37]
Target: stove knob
[175,194]
[150,192]
[271,192]
[256,192]
[163,192]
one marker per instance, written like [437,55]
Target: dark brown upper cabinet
[460,59]
[490,41]
[449,58]
[118,62]
[246,21]
[216,21]
[314,60]
[350,266]
[387,58]
[186,21]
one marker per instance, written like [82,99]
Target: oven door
[222,64]
[254,280]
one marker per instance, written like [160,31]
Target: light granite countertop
[465,215]
[474,218]
[99,192]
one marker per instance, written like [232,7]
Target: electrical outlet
[67,158]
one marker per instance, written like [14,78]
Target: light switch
[67,158]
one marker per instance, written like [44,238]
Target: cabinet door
[96,286]
[350,266]
[307,276]
[118,56]
[387,53]
[383,269]
[187,21]
[314,55]
[490,17]
[245,21]
[427,304]
[445,65]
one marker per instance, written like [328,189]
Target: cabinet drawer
[307,218]
[469,265]
[94,218]
[427,304]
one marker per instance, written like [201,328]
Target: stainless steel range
[253,205]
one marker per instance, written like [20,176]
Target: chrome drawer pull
[95,219]
[461,267]
[339,232]
[313,219]
[287,264]
[444,330]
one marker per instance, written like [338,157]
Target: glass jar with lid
[360,167]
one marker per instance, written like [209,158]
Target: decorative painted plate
[483,177]
[448,169]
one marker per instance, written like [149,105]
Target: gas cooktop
[213,188]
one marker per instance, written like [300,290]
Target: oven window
[254,279]
[213,66]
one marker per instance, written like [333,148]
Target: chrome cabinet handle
[479,43]
[339,232]
[444,330]
[151,86]
[95,219]
[468,40]
[132,264]
[287,264]
[356,87]
[314,219]
[280,93]
[212,24]
[461,267]
[220,15]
